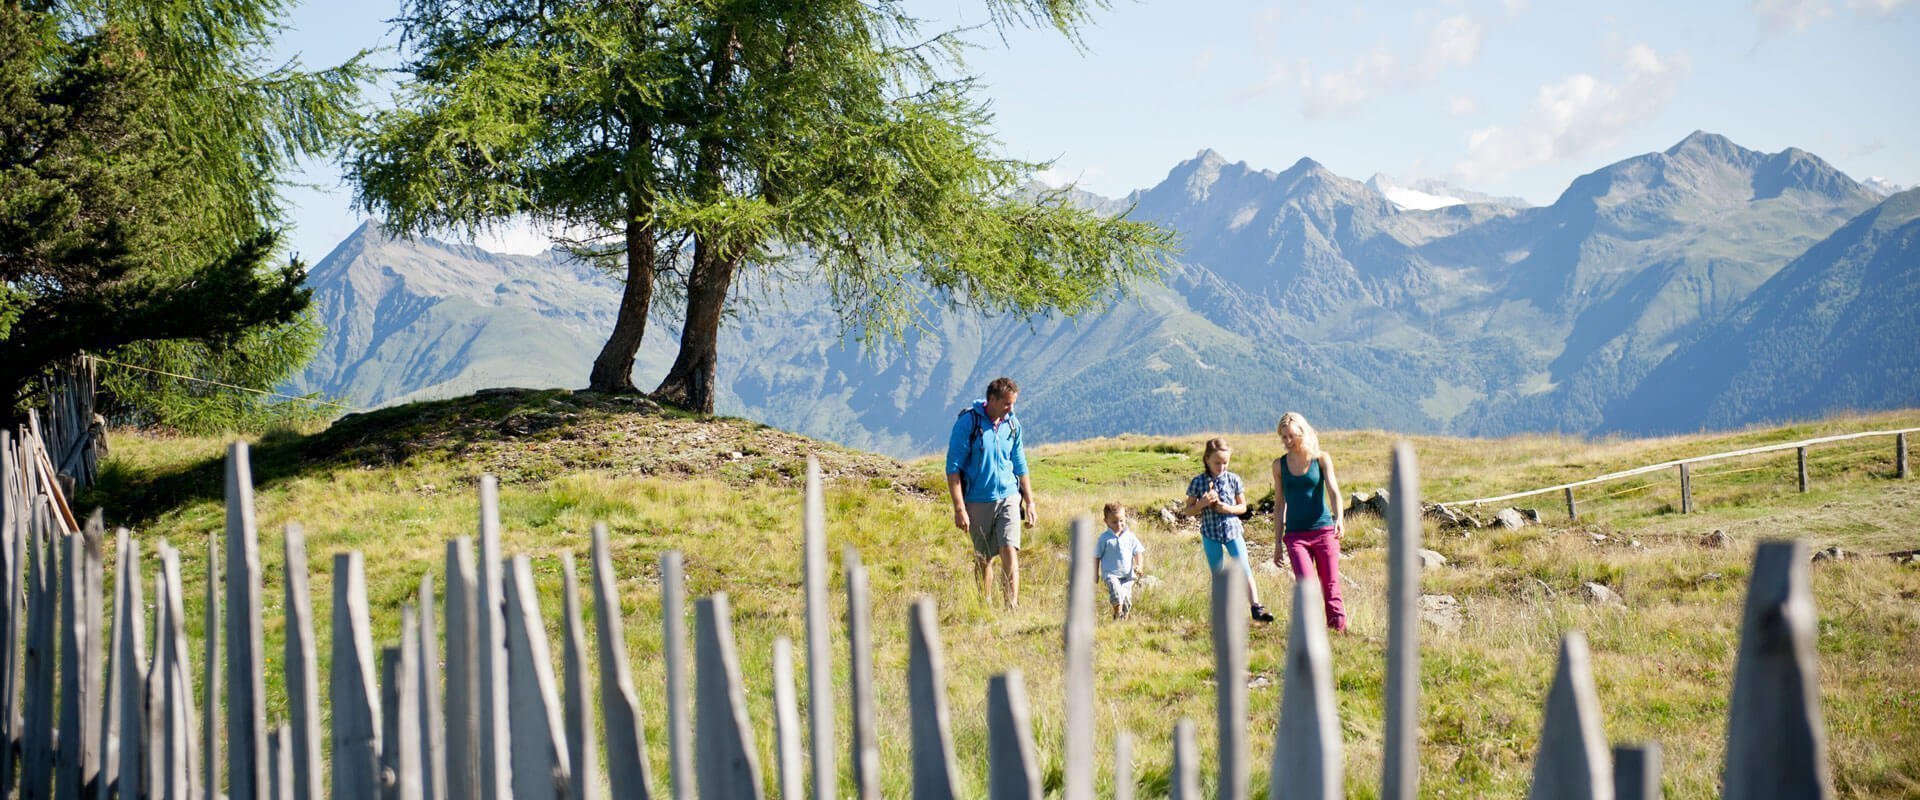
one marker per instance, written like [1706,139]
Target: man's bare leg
[1010,574]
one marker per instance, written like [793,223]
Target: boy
[1122,559]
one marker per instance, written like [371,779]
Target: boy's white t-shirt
[1116,551]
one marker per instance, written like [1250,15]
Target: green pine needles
[142,148]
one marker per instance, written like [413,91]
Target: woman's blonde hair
[1308,437]
[1214,445]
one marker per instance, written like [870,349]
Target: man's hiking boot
[1260,613]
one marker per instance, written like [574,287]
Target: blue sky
[1509,97]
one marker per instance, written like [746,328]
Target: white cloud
[1452,42]
[1577,115]
[1878,8]
[1781,16]
[1462,106]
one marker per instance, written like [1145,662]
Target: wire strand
[314,401]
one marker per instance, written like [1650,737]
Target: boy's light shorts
[994,525]
[1119,589]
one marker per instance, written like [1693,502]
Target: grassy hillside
[399,483]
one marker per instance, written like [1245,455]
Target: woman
[1220,497]
[1307,528]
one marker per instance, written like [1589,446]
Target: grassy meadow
[1663,664]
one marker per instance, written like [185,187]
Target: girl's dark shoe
[1260,613]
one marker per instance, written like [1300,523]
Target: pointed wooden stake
[1307,751]
[1572,762]
[1776,737]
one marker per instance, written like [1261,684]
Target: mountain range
[1668,291]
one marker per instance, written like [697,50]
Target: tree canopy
[142,148]
[685,141]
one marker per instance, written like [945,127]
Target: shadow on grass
[435,430]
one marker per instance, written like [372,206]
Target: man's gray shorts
[994,525]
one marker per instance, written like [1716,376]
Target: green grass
[1662,665]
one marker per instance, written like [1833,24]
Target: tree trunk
[613,369]
[690,383]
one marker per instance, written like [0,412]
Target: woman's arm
[1333,495]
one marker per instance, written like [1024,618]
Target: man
[986,463]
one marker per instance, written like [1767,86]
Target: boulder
[1379,503]
[1511,518]
[1717,540]
[1359,502]
[1596,593]
[1442,611]
[1532,515]
[1431,560]
[1831,554]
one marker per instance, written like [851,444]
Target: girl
[1219,497]
[1305,530]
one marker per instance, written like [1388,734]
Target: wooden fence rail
[499,723]
[1685,466]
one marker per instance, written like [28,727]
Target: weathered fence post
[463,678]
[1077,748]
[181,756]
[1900,455]
[1636,772]
[628,773]
[786,722]
[1804,485]
[729,762]
[1012,771]
[865,750]
[934,775]
[1572,760]
[400,737]
[1230,677]
[433,741]
[210,732]
[120,744]
[673,623]
[302,670]
[583,744]
[246,665]
[819,644]
[1307,751]
[1572,513]
[13,533]
[1123,766]
[1400,767]
[539,751]
[43,606]
[80,662]
[1686,489]
[280,763]
[1776,738]
[490,653]
[352,695]
[1186,763]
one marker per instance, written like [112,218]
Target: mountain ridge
[1295,290]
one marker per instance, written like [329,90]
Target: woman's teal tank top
[1306,497]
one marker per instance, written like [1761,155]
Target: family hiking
[993,498]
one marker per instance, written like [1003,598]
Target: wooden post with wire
[1900,455]
[1572,514]
[1686,488]
[1803,470]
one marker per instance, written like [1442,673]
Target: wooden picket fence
[95,711]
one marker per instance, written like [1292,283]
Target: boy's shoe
[1126,609]
[1260,613]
